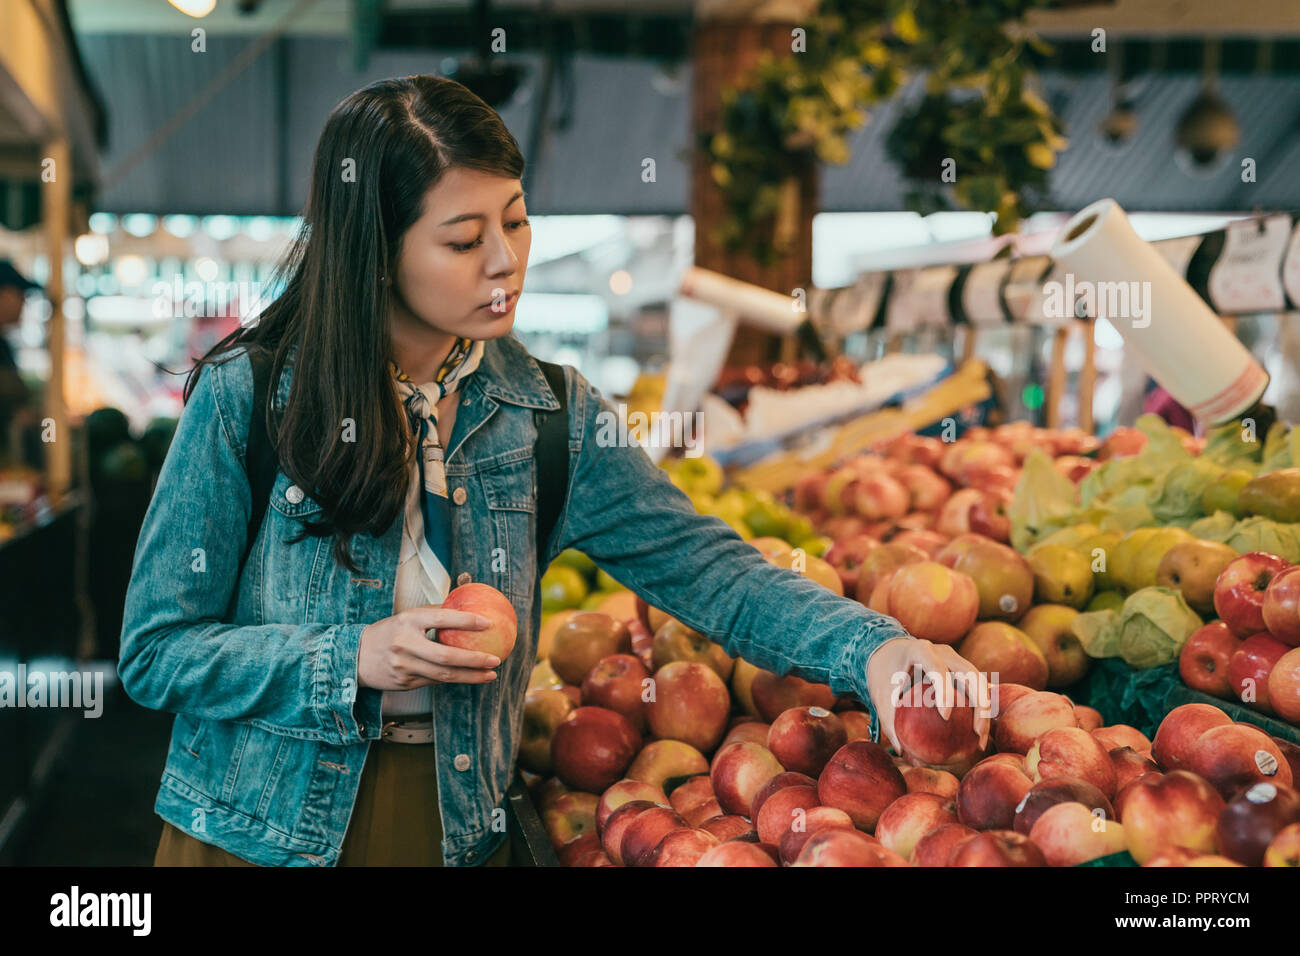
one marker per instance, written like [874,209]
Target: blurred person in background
[15,396]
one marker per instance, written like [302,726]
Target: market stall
[1131,602]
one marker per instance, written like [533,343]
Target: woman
[304,679]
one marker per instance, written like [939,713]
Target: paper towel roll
[1177,337]
[756,306]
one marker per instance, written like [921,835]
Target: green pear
[1106,601]
[1224,492]
[1275,496]
[1193,567]
[1061,575]
[1098,550]
[1123,557]
[1152,553]
[573,558]
[562,587]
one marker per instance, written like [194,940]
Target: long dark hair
[382,149]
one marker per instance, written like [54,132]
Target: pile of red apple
[1252,653]
[675,754]
[920,491]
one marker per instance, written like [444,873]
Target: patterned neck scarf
[421,403]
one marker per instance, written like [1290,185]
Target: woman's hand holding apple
[889,674]
[397,653]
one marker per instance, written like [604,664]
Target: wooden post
[726,47]
[968,344]
[56,192]
[1088,375]
[1056,377]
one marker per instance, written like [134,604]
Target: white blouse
[414,587]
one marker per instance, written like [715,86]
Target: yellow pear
[1061,576]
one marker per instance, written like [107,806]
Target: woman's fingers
[428,617]
[444,674]
[444,654]
[975,688]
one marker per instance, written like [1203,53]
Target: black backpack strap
[551,453]
[259,456]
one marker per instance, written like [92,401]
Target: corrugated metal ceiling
[249,150]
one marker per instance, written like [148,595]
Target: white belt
[418,730]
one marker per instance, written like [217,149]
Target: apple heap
[801,790]
[647,745]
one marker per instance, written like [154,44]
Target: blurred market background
[154,157]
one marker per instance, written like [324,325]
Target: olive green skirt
[394,822]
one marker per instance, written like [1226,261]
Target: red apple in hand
[1249,667]
[1281,608]
[1239,591]
[927,738]
[1203,661]
[499,639]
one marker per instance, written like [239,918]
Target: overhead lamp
[194,8]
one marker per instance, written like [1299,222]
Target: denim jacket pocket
[509,489]
[290,578]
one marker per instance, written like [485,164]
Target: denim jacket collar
[509,373]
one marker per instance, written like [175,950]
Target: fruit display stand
[1142,698]
[958,396]
[530,845]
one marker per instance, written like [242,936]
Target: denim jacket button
[458,496]
[463,578]
[461,762]
[294,494]
[471,856]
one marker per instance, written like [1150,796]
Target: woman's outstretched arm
[625,514]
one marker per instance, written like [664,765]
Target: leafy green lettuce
[1176,495]
[1044,501]
[1263,534]
[1148,631]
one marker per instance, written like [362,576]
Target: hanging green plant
[978,139]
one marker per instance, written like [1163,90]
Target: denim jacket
[259,663]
